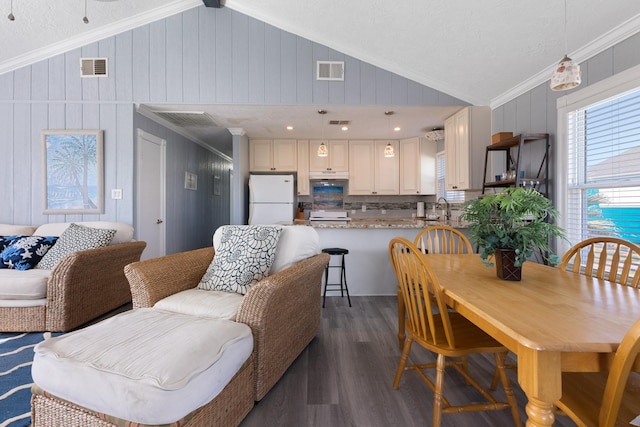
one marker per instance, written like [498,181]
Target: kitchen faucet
[447,214]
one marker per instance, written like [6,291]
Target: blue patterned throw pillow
[6,241]
[244,257]
[24,252]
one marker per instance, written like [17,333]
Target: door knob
[159,221]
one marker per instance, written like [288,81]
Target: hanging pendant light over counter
[323,151]
[388,150]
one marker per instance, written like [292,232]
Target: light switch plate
[116,193]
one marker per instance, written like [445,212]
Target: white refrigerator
[271,199]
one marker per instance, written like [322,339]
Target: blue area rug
[16,357]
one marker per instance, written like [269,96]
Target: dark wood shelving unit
[517,143]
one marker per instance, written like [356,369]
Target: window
[602,158]
[451,196]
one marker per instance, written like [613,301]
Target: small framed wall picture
[216,185]
[190,181]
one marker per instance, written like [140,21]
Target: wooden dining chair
[598,399]
[436,239]
[447,334]
[608,258]
[442,239]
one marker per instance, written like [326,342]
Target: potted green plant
[509,226]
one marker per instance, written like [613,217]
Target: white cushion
[16,230]
[23,302]
[146,366]
[198,302]
[23,284]
[244,257]
[124,232]
[297,242]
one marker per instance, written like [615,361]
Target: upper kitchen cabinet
[336,161]
[273,155]
[303,167]
[417,166]
[466,134]
[369,171]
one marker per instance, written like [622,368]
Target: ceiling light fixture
[436,134]
[388,150]
[84,18]
[10,16]
[567,74]
[323,151]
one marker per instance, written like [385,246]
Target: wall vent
[93,67]
[330,70]
[339,122]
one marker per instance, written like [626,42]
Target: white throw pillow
[244,257]
[297,242]
[75,238]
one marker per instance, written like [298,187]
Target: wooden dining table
[553,320]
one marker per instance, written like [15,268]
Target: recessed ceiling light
[397,128]
[345,128]
[289,127]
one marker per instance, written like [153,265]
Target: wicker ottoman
[145,367]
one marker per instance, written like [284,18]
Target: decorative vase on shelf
[505,268]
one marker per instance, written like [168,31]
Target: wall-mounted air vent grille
[330,70]
[339,122]
[93,67]
[188,118]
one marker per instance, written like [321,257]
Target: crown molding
[602,43]
[98,34]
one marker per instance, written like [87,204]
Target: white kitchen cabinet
[369,171]
[337,160]
[273,155]
[417,166]
[466,134]
[303,167]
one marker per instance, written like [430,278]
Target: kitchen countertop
[384,223]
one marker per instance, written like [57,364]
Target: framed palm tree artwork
[73,172]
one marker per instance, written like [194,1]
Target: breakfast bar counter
[404,223]
[368,267]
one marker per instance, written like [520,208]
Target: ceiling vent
[339,122]
[93,67]
[330,70]
[188,118]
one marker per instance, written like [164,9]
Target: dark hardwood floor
[345,376]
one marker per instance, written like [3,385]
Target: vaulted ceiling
[483,52]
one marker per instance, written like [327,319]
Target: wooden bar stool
[342,286]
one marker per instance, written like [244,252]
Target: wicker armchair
[82,286]
[282,310]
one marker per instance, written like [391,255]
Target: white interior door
[150,198]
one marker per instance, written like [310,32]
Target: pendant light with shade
[323,151]
[388,150]
[567,74]
[11,16]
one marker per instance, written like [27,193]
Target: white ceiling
[483,52]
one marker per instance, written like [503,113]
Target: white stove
[328,216]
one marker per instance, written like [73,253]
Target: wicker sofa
[282,310]
[81,287]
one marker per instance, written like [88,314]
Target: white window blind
[451,196]
[603,169]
